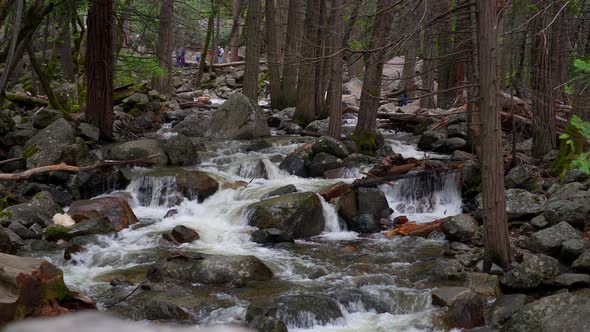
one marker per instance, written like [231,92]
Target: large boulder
[47,146]
[331,146]
[465,308]
[298,214]
[556,313]
[196,185]
[231,271]
[460,228]
[303,310]
[323,162]
[363,208]
[531,272]
[238,118]
[521,203]
[169,187]
[549,240]
[193,125]
[40,210]
[296,163]
[33,287]
[181,234]
[114,209]
[86,185]
[319,126]
[503,308]
[181,151]
[45,116]
[569,205]
[138,150]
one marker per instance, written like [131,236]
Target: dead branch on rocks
[72,169]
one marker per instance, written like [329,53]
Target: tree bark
[252,50]
[234,39]
[210,24]
[306,85]
[335,94]
[67,58]
[496,241]
[11,58]
[100,65]
[354,61]
[164,51]
[273,53]
[428,68]
[366,128]
[291,63]
[45,83]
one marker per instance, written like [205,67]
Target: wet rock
[319,126]
[582,263]
[230,271]
[429,139]
[71,250]
[457,130]
[162,310]
[549,240]
[271,236]
[292,129]
[442,268]
[573,209]
[372,201]
[196,185]
[91,227]
[22,231]
[330,146]
[171,213]
[45,116]
[465,308]
[323,162]
[238,118]
[181,151]
[570,280]
[298,214]
[459,155]
[255,169]
[39,211]
[365,223]
[258,144]
[560,312]
[539,222]
[296,164]
[303,311]
[448,145]
[531,272]
[7,245]
[503,308]
[572,249]
[138,150]
[459,228]
[495,269]
[267,324]
[288,189]
[47,146]
[114,209]
[86,185]
[193,125]
[181,234]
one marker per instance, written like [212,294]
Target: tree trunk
[67,59]
[366,128]
[409,70]
[335,99]
[11,58]
[496,241]
[354,61]
[210,24]
[45,83]
[164,51]
[306,85]
[291,64]
[234,39]
[428,68]
[273,53]
[252,50]
[99,61]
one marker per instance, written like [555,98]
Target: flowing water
[391,272]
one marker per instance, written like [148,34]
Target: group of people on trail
[181,60]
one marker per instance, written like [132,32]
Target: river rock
[296,163]
[137,150]
[323,162]
[448,145]
[363,201]
[267,324]
[465,308]
[583,262]
[572,249]
[575,175]
[518,175]
[181,234]
[459,228]
[539,222]
[555,313]
[7,245]
[549,240]
[521,203]
[573,209]
[531,272]
[6,123]
[22,231]
[33,287]
[47,146]
[181,151]
[330,146]
[298,214]
[238,118]
[319,126]
[196,185]
[364,223]
[39,210]
[253,169]
[288,189]
[194,125]
[503,308]
[230,271]
[114,209]
[429,140]
[303,311]
[91,227]
[271,236]
[85,185]
[567,280]
[88,132]
[45,116]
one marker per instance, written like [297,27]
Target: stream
[382,284]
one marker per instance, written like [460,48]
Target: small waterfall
[155,191]
[426,198]
[331,217]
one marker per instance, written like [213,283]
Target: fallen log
[72,169]
[26,101]
[31,287]
[414,229]
[234,64]
[197,104]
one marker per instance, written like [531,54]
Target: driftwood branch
[69,168]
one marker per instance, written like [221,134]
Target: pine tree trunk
[366,128]
[409,70]
[164,51]
[208,37]
[428,68]
[496,241]
[306,84]
[252,50]
[335,99]
[234,40]
[100,64]
[273,53]
[291,65]
[354,61]
[67,59]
